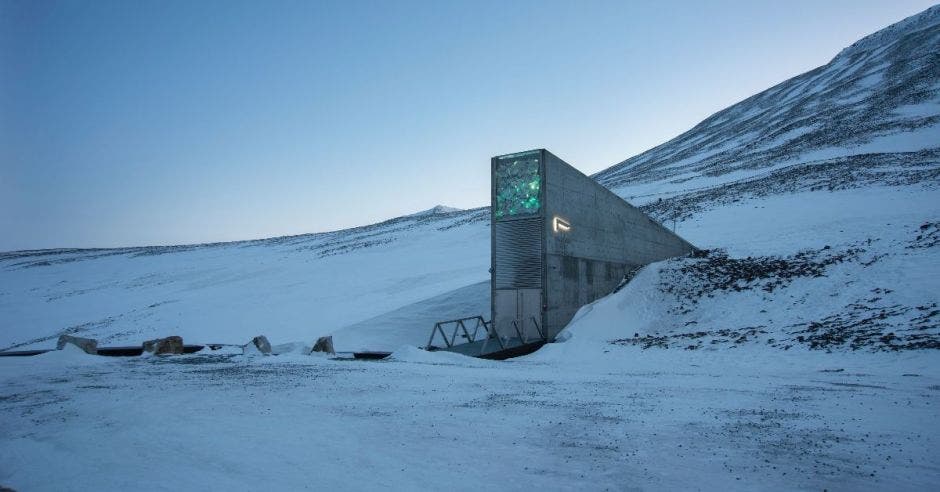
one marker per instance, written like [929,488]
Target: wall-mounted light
[561,225]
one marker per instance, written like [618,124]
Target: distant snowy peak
[881,96]
[436,210]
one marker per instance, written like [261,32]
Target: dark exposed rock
[717,337]
[261,343]
[873,327]
[324,344]
[89,345]
[928,236]
[714,270]
[162,346]
[872,322]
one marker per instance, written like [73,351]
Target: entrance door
[524,306]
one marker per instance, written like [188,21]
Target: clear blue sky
[163,122]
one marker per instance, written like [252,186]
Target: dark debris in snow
[694,340]
[714,270]
[878,328]
[928,236]
[874,322]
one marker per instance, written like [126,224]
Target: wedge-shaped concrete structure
[560,240]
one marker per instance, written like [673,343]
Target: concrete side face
[592,238]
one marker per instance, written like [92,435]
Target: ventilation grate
[517,254]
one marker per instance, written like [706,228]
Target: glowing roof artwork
[518,185]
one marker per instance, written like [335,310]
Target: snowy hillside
[290,288]
[870,117]
[857,137]
[797,352]
[828,185]
[865,274]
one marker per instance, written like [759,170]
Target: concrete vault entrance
[559,240]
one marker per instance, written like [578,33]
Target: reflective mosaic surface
[518,184]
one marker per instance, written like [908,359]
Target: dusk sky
[139,123]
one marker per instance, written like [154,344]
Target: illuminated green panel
[518,184]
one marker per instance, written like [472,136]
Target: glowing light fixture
[561,225]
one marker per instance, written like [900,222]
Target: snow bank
[412,354]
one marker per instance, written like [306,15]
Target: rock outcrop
[89,345]
[162,346]
[324,344]
[259,343]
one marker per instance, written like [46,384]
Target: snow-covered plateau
[800,349]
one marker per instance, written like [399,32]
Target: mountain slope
[290,288]
[844,155]
[825,186]
[871,116]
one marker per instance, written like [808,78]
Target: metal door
[530,313]
[522,307]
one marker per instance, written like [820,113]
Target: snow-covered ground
[800,351]
[619,418]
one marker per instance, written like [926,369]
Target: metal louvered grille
[517,254]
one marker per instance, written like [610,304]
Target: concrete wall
[607,238]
